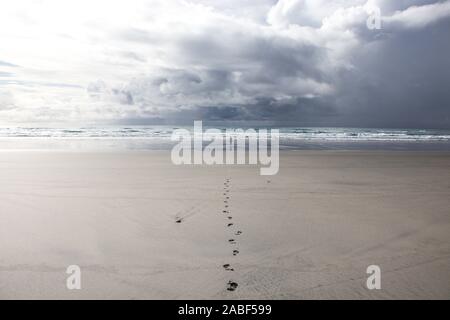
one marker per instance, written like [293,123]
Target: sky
[285,62]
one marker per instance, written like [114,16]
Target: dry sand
[309,232]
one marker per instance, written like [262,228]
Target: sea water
[158,138]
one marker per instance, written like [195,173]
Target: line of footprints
[231,285]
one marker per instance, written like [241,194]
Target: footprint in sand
[237,233]
[231,286]
[228,267]
[179,220]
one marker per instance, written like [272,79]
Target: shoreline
[104,144]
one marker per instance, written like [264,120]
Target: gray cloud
[8,64]
[401,81]
[288,62]
[6,74]
[393,77]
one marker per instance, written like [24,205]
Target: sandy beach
[141,228]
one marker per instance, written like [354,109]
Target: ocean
[159,137]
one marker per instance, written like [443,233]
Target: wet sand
[142,228]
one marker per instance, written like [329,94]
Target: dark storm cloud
[335,72]
[301,111]
[399,82]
